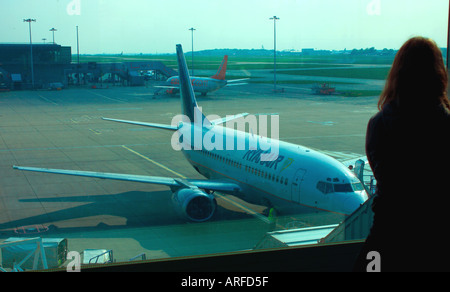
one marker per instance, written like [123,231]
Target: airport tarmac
[63,129]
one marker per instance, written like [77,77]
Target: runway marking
[120,109]
[327,123]
[245,209]
[154,162]
[104,96]
[95,131]
[48,100]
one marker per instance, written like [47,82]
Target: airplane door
[296,183]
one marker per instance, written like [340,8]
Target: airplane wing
[153,125]
[211,185]
[237,80]
[233,82]
[167,86]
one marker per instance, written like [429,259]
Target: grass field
[378,73]
[342,66]
[247,63]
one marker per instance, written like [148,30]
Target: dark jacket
[408,151]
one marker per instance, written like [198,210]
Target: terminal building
[49,63]
[52,66]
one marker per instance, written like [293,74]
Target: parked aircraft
[203,85]
[291,177]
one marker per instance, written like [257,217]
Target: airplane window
[357,186]
[324,86]
[343,188]
[321,186]
[324,187]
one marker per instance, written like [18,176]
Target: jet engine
[193,204]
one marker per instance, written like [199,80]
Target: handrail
[110,260]
[141,255]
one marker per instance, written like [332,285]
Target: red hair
[418,76]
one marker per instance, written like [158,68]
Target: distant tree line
[372,51]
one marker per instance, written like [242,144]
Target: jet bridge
[354,227]
[133,73]
[295,237]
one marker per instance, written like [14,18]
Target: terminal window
[323,81]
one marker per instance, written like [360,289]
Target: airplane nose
[350,205]
[353,203]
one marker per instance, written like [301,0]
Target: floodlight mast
[53,31]
[30,20]
[274,52]
[192,35]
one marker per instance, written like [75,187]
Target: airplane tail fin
[220,75]
[189,106]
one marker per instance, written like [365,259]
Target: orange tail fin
[222,69]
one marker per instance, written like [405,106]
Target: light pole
[30,20]
[53,31]
[78,59]
[274,52]
[192,33]
[78,49]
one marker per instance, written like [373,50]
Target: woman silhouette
[407,146]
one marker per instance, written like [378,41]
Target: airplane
[294,178]
[203,85]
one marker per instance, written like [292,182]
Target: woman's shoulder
[385,115]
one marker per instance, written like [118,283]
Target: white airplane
[203,85]
[296,178]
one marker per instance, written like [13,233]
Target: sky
[156,26]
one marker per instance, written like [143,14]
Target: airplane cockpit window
[325,187]
[342,188]
[91,94]
[328,187]
[357,186]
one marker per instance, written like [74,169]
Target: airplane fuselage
[200,84]
[296,178]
